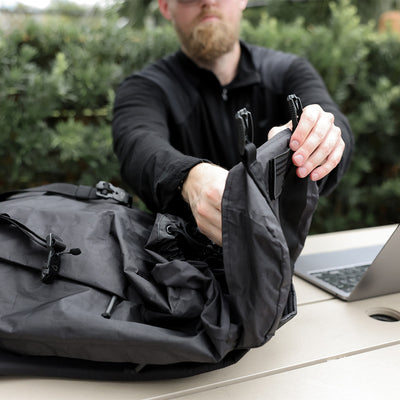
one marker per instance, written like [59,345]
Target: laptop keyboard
[344,279]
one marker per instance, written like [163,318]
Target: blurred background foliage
[58,73]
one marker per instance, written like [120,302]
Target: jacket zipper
[224,94]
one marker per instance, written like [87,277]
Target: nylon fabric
[259,271]
[177,304]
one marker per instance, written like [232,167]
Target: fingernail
[294,145]
[302,172]
[314,176]
[298,159]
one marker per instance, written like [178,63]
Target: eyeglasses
[188,1]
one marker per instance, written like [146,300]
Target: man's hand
[318,148]
[203,190]
[317,143]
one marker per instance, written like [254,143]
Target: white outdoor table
[332,349]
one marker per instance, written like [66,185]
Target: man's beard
[210,40]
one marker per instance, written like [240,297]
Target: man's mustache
[209,13]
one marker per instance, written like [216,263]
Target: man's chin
[212,42]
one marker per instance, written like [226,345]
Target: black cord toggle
[56,249]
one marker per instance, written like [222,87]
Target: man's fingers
[315,136]
[330,163]
[203,190]
[309,118]
[328,152]
[207,213]
[211,229]
[317,143]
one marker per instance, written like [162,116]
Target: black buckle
[245,129]
[106,190]
[248,150]
[295,109]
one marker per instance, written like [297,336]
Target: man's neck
[224,67]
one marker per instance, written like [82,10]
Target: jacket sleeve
[150,165]
[304,81]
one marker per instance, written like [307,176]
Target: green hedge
[57,86]
[361,69]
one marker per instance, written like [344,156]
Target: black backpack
[91,288]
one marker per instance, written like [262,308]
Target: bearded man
[174,126]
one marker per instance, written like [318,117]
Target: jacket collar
[247,73]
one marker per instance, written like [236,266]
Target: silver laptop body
[356,273]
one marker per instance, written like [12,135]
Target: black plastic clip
[106,190]
[245,130]
[248,150]
[295,109]
[52,266]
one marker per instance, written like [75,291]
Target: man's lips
[209,18]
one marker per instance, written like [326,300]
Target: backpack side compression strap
[103,190]
[65,189]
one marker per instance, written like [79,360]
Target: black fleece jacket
[173,115]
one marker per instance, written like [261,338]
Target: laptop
[355,273]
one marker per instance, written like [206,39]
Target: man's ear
[164,8]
